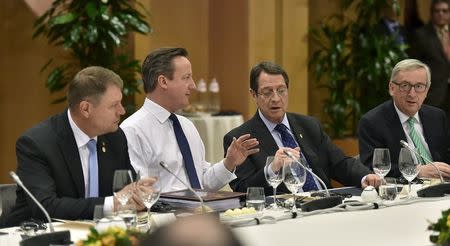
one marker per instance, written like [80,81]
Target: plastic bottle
[214,96]
[202,96]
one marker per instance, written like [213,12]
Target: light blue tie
[417,141]
[93,169]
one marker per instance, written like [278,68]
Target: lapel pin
[103,147]
[300,135]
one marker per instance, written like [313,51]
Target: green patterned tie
[416,140]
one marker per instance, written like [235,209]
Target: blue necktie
[186,152]
[288,141]
[93,169]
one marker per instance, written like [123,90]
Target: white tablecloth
[397,225]
[212,129]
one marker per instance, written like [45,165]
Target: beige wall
[225,38]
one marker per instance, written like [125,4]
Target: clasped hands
[144,184]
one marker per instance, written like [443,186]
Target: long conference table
[396,225]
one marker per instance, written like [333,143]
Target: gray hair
[91,82]
[411,64]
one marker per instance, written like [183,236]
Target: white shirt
[151,140]
[417,125]
[82,139]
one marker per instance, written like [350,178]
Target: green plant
[441,229]
[92,32]
[353,62]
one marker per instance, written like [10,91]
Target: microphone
[61,237]
[406,145]
[19,182]
[321,203]
[164,165]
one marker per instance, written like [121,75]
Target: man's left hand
[372,180]
[239,150]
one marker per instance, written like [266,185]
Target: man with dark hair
[277,130]
[156,134]
[431,45]
[405,117]
[68,161]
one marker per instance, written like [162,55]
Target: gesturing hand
[239,150]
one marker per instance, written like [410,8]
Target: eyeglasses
[406,86]
[445,11]
[268,93]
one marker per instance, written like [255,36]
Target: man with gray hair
[405,117]
[68,161]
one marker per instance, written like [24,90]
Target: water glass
[388,189]
[273,178]
[381,161]
[98,213]
[128,213]
[255,198]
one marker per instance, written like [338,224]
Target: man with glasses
[277,130]
[431,45]
[406,118]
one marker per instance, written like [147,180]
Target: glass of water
[381,162]
[127,213]
[388,189]
[408,164]
[255,198]
[274,176]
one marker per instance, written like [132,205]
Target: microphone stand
[321,203]
[60,237]
[164,165]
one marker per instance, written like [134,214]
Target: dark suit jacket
[50,167]
[426,47]
[381,128]
[325,159]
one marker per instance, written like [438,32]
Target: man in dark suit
[269,88]
[431,45]
[56,162]
[388,123]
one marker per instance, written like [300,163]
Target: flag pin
[103,147]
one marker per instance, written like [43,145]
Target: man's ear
[391,88]
[162,81]
[85,108]
[253,93]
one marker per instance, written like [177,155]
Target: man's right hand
[428,171]
[135,198]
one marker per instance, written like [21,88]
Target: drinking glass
[408,164]
[122,178]
[98,213]
[255,198]
[273,178]
[381,162]
[294,177]
[128,214]
[150,194]
[388,189]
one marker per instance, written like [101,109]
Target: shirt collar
[403,117]
[159,112]
[270,125]
[81,138]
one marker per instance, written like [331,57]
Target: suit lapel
[266,142]
[427,124]
[70,152]
[394,121]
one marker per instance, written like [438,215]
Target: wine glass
[381,161]
[294,177]
[150,194]
[122,178]
[408,164]
[273,178]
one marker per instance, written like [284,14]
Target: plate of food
[240,214]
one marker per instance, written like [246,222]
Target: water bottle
[214,96]
[202,96]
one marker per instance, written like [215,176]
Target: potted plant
[92,32]
[353,62]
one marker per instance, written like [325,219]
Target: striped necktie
[289,141]
[417,141]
